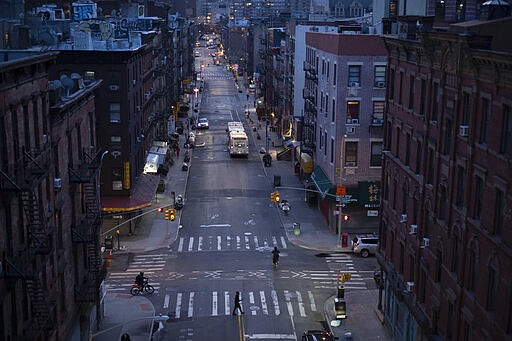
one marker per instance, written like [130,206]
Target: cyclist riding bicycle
[140,279]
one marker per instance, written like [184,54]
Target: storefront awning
[322,183]
[143,193]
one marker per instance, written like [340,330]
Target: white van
[153,161]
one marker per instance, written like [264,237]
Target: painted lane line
[275,301]
[200,244]
[312,300]
[180,246]
[274,240]
[214,304]
[226,303]
[271,336]
[219,243]
[283,243]
[191,304]
[190,243]
[215,225]
[177,312]
[228,241]
[237,242]
[247,246]
[263,303]
[256,241]
[166,301]
[301,304]
[288,303]
[252,302]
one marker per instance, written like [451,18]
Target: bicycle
[146,287]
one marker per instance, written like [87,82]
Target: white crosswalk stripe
[149,264]
[230,243]
[259,303]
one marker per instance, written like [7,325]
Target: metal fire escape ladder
[38,237]
[41,313]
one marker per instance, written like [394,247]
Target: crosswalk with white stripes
[213,75]
[254,303]
[340,262]
[149,264]
[230,243]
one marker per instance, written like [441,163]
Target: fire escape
[29,263]
[84,174]
[310,109]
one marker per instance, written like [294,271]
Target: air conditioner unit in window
[350,163]
[463,131]
[409,286]
[425,243]
[134,81]
[147,95]
[413,229]
[49,211]
[351,130]
[57,183]
[114,87]
[355,121]
[45,139]
[381,84]
[403,218]
[352,92]
[138,108]
[353,84]
[116,154]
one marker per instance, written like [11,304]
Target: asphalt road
[229,229]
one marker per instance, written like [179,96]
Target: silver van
[365,244]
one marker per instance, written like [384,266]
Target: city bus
[238,143]
[235,126]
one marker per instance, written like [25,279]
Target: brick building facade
[445,234]
[49,212]
[347,92]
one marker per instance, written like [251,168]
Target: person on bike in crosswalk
[140,279]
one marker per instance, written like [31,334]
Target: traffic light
[346,217]
[160,209]
[277,196]
[170,214]
[273,197]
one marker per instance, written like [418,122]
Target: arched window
[405,196]
[492,283]
[442,202]
[473,252]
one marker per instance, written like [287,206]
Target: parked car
[203,123]
[365,245]
[318,335]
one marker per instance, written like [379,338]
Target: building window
[472,269]
[449,321]
[397,142]
[332,150]
[387,183]
[117,185]
[351,154]
[115,112]
[326,104]
[439,265]
[328,64]
[506,133]
[466,109]
[325,143]
[400,87]
[389,135]
[467,333]
[401,260]
[423,97]
[435,102]
[418,156]
[405,196]
[411,92]
[455,255]
[435,321]
[383,238]
[411,267]
[376,154]
[395,190]
[443,204]
[460,10]
[392,84]
[334,73]
[423,285]
[459,197]
[499,212]
[354,75]
[430,166]
[380,76]
[440,9]
[415,208]
[478,197]
[407,149]
[353,112]
[484,124]
[333,110]
[491,289]
[378,113]
[448,137]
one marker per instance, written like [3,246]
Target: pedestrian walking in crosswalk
[260,302]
